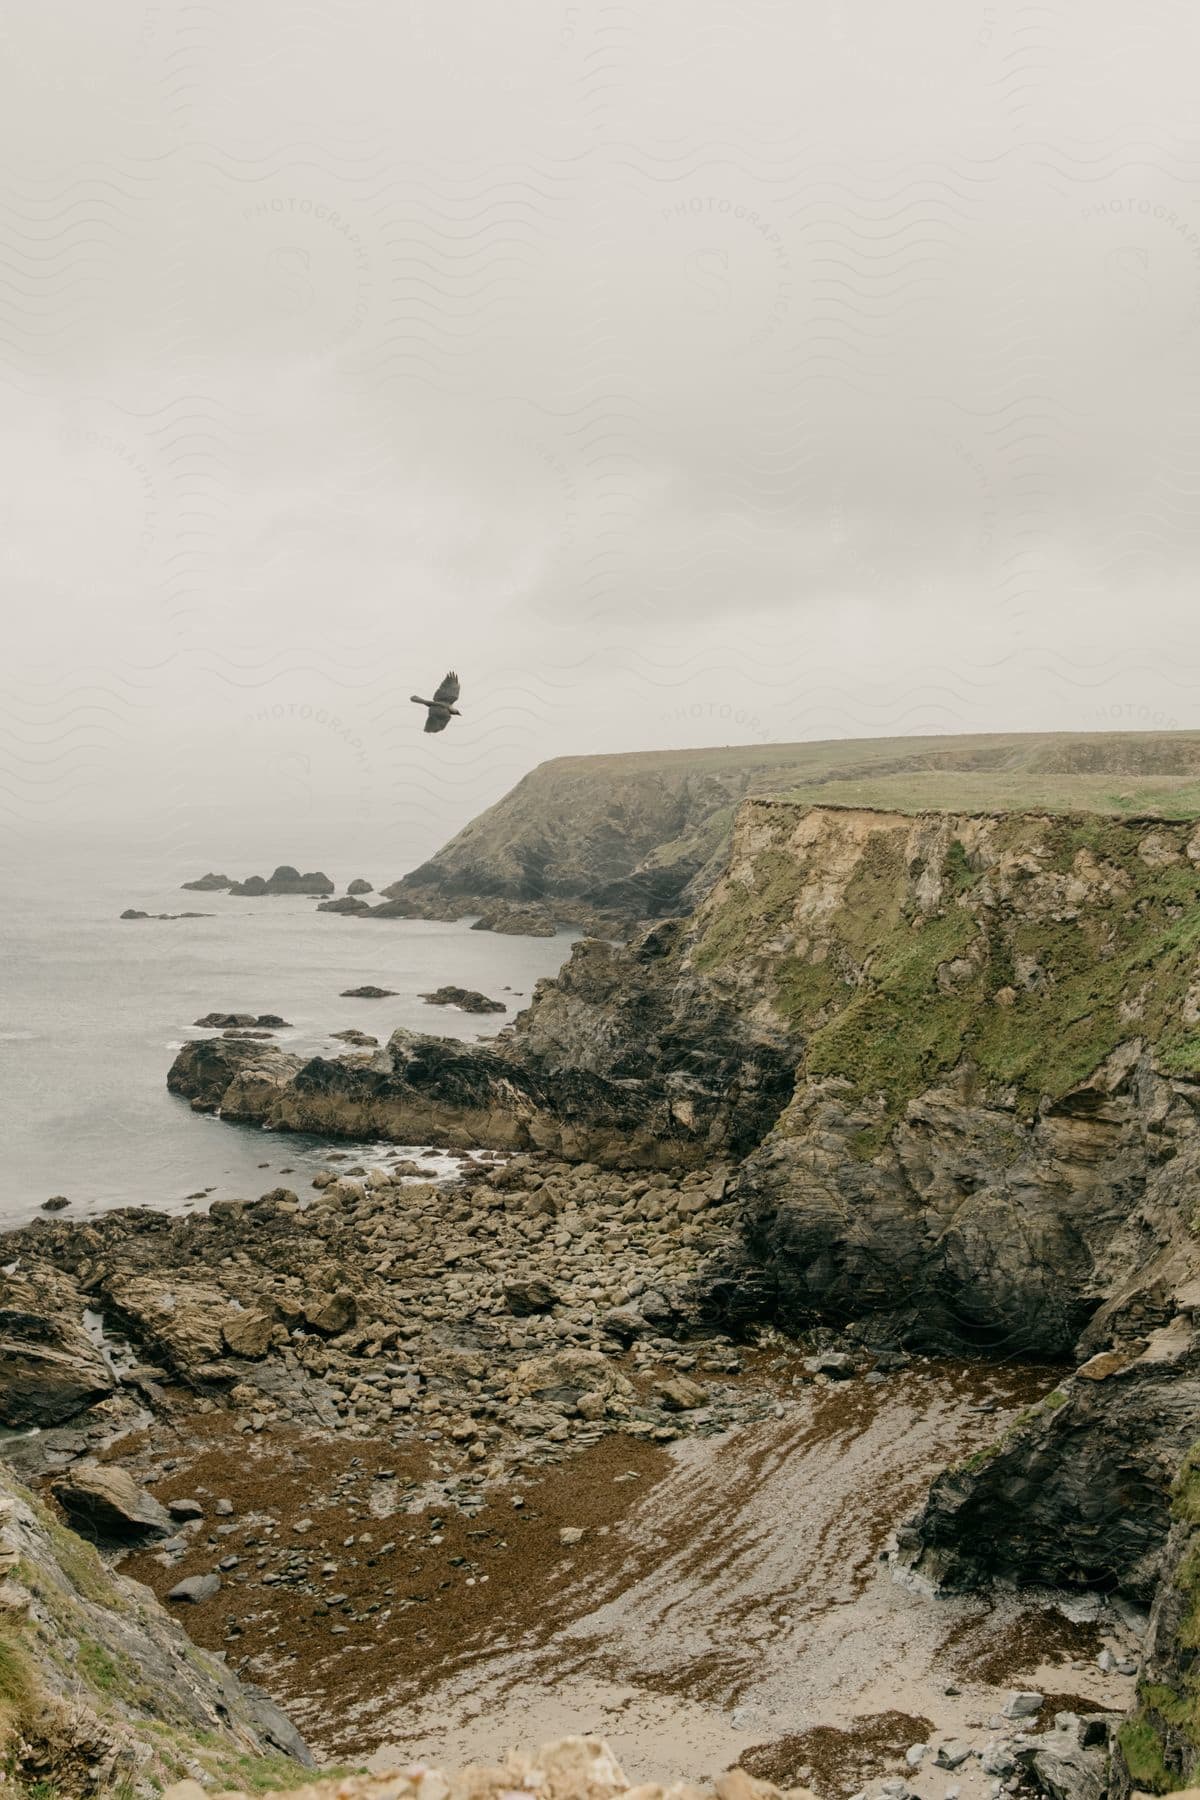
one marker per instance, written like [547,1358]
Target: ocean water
[94,1007]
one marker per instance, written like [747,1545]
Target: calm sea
[93,1009]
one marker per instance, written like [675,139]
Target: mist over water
[93,1008]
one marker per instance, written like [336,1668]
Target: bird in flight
[442,706]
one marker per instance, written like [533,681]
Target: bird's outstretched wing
[437,718]
[449,690]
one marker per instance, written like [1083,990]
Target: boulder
[249,1334]
[331,1313]
[208,884]
[55,1203]
[359,886]
[368,993]
[950,1756]
[681,1395]
[105,1503]
[346,903]
[529,1294]
[195,1588]
[625,1323]
[185,1509]
[180,1322]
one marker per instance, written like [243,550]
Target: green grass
[15,1682]
[1142,1749]
[1042,990]
[967,791]
[1161,1743]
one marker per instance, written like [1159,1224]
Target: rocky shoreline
[901,1087]
[310,1417]
[952,1060]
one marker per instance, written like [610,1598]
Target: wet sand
[728,1597]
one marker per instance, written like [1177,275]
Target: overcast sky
[684,372]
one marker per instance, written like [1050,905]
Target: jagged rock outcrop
[619,1062]
[999,1051]
[101,1690]
[50,1369]
[1159,1744]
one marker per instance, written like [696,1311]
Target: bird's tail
[417,700]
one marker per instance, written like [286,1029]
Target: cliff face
[611,840]
[999,1028]
[100,1691]
[623,841]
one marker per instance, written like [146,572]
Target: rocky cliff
[998,1020]
[101,1692]
[607,841]
[957,1055]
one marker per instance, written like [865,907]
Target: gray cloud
[682,374]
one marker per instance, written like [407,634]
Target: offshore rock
[208,884]
[466,999]
[285,880]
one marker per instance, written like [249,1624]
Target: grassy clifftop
[1025,947]
[645,834]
